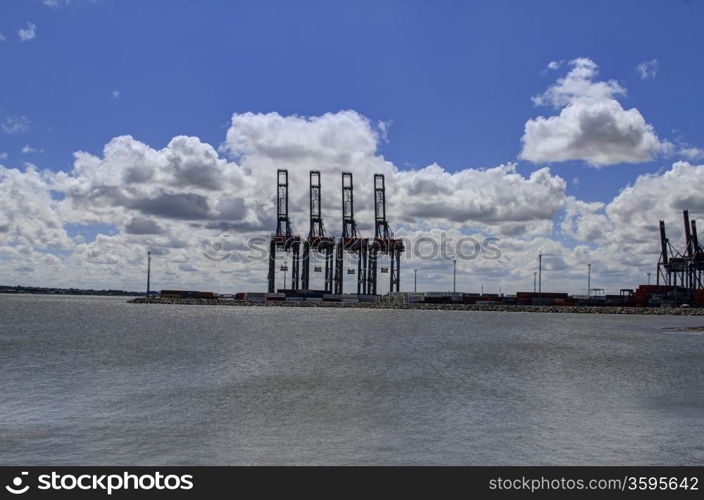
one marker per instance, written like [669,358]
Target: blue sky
[454,79]
[453,82]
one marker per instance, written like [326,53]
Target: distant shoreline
[680,311]
[67,291]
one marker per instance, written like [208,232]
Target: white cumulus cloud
[626,228]
[591,125]
[178,199]
[29,220]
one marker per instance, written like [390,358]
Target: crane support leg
[371,271]
[328,269]
[338,267]
[305,277]
[295,273]
[272,266]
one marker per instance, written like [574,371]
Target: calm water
[97,381]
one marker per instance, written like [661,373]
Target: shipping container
[367,298]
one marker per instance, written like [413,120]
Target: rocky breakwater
[679,311]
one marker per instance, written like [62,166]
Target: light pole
[535,281]
[149,270]
[415,280]
[540,273]
[454,275]
[649,278]
[589,280]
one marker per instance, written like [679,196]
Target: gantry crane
[284,239]
[684,269]
[350,242]
[318,241]
[383,242]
